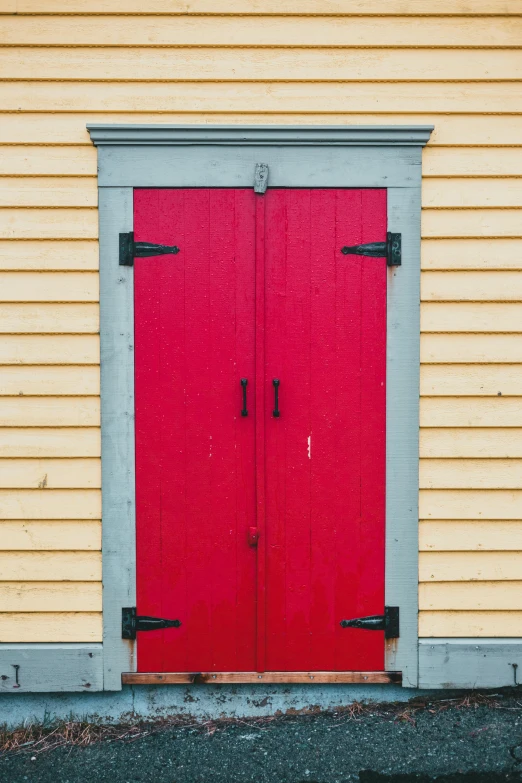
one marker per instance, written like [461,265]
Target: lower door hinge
[129,249]
[391,250]
[387,622]
[131,622]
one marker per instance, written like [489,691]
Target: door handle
[276,410]
[244,383]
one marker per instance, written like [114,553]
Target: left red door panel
[195,472]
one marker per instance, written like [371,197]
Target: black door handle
[244,383]
[276,411]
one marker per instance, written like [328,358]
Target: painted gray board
[470,663]
[117,423]
[50,667]
[217,156]
[195,701]
[269,135]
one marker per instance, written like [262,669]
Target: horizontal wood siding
[64,63]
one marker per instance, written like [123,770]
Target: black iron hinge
[131,622]
[390,250]
[387,622]
[129,249]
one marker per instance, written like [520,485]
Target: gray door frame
[225,156]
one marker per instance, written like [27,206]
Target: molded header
[259,135]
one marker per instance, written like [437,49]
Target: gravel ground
[479,742]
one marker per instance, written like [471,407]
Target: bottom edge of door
[173,678]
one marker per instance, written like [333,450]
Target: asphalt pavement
[473,741]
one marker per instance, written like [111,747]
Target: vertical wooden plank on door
[324,430]
[147,327]
[296,399]
[261,401]
[275,360]
[370,579]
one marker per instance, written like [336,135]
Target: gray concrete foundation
[198,701]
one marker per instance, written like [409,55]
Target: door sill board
[180,678]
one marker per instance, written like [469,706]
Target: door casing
[226,156]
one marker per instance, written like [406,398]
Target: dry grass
[37,738]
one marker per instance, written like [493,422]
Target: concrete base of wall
[198,701]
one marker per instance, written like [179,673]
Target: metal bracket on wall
[390,250]
[129,249]
[261,178]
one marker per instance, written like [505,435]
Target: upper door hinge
[129,249]
[387,622]
[391,250]
[131,622]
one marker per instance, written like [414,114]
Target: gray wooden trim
[470,663]
[268,135]
[402,432]
[210,157]
[117,426]
[51,667]
[234,167]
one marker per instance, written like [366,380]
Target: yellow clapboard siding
[454,380]
[52,381]
[230,64]
[50,504]
[471,474]
[19,161]
[55,349]
[470,624]
[471,317]
[50,473]
[470,504]
[361,97]
[483,443]
[36,128]
[472,286]
[472,596]
[470,412]
[442,223]
[48,255]
[472,161]
[34,535]
[51,596]
[48,223]
[51,627]
[49,286]
[470,192]
[471,348]
[484,253]
[289,29]
[50,566]
[470,535]
[470,566]
[49,442]
[48,192]
[49,319]
[49,412]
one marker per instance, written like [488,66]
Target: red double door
[260,532]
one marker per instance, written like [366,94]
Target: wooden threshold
[180,678]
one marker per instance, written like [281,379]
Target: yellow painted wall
[64,63]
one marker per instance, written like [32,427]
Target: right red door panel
[325,341]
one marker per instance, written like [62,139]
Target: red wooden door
[194,341]
[325,342]
[260,291]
